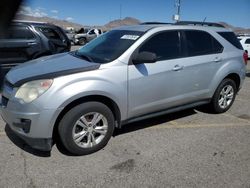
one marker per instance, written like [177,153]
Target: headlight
[32,90]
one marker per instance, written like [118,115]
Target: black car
[26,40]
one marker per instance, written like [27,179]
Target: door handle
[217,59]
[177,68]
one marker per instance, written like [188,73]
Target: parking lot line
[188,126]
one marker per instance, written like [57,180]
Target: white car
[245,42]
[84,38]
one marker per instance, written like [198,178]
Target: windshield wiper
[84,56]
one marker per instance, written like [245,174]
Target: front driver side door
[156,86]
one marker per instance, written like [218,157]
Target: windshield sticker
[130,37]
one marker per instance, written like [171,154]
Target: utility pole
[120,11]
[176,17]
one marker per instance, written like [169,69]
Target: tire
[224,96]
[82,41]
[81,134]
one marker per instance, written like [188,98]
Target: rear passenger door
[203,59]
[17,46]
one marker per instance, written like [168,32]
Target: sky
[97,12]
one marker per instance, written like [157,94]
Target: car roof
[27,22]
[147,27]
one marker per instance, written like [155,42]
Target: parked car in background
[125,75]
[26,40]
[245,42]
[70,34]
[83,38]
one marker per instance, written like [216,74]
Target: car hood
[49,67]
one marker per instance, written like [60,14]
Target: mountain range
[115,23]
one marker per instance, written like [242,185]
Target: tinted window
[49,33]
[231,37]
[247,41]
[165,45]
[201,43]
[18,32]
[217,47]
[92,32]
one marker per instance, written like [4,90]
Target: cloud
[54,11]
[69,19]
[37,12]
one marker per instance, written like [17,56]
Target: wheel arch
[96,98]
[236,78]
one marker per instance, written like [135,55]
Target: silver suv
[128,74]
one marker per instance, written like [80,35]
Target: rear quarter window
[231,37]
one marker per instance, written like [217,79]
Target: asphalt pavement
[191,148]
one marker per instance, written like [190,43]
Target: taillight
[245,57]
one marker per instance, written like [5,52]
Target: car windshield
[109,46]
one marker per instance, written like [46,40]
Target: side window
[166,45]
[18,32]
[247,41]
[92,32]
[201,43]
[217,47]
[49,33]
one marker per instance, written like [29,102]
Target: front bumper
[42,144]
[34,126]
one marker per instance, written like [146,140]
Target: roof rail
[243,34]
[199,23]
[154,23]
[28,21]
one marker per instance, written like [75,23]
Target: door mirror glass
[145,57]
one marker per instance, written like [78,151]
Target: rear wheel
[86,128]
[224,96]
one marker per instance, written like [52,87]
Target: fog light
[24,124]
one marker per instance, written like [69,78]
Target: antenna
[176,17]
[120,14]
[204,19]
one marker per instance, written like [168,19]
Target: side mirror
[145,57]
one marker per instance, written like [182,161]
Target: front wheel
[82,41]
[224,96]
[86,128]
